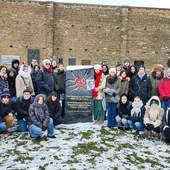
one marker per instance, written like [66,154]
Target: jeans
[165,105]
[111,114]
[22,125]
[136,125]
[36,132]
[2,127]
[122,122]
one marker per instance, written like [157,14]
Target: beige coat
[153,114]
[102,85]
[21,86]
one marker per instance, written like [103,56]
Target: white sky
[141,3]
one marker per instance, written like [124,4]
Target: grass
[86,135]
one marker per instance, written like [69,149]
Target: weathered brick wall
[88,32]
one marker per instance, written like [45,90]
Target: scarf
[97,81]
[49,70]
[136,110]
[23,73]
[112,80]
[141,75]
[123,107]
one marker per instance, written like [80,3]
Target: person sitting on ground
[39,122]
[54,107]
[22,105]
[124,107]
[6,111]
[153,115]
[135,120]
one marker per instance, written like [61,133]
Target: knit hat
[97,67]
[5,93]
[168,70]
[118,64]
[28,90]
[142,66]
[158,68]
[46,61]
[126,60]
[154,101]
[112,70]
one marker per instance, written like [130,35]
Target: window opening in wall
[72,61]
[104,62]
[139,63]
[60,60]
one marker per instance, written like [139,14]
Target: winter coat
[138,117]
[33,77]
[5,109]
[153,115]
[164,88]
[3,84]
[38,114]
[116,86]
[22,107]
[155,81]
[22,83]
[166,119]
[124,87]
[11,82]
[45,82]
[12,65]
[54,108]
[59,82]
[140,87]
[128,109]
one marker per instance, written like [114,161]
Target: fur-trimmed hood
[149,101]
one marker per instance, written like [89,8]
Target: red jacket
[164,88]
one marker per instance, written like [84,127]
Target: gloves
[166,98]
[44,128]
[149,127]
[114,94]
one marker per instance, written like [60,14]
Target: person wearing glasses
[22,105]
[44,79]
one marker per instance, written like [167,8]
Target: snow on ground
[83,146]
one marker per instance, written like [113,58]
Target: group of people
[32,95]
[124,95]
[131,99]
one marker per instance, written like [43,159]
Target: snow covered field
[83,146]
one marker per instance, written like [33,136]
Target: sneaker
[127,128]
[120,127]
[53,137]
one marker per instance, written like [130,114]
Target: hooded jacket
[153,114]
[12,65]
[38,114]
[11,81]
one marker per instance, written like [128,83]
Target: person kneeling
[39,123]
[22,105]
[6,111]
[54,107]
[124,107]
[135,120]
[153,116]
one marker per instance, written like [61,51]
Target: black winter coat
[22,107]
[33,76]
[5,109]
[45,82]
[3,84]
[11,82]
[12,65]
[140,87]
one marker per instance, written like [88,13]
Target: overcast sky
[141,3]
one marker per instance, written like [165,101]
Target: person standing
[140,85]
[59,84]
[164,91]
[112,92]
[15,65]
[45,79]
[23,80]
[126,64]
[100,82]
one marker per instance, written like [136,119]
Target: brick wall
[85,32]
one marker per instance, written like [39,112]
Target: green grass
[86,135]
